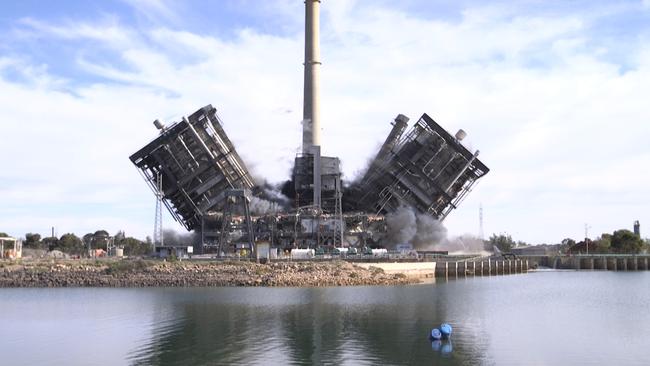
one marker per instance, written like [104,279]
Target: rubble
[150,273]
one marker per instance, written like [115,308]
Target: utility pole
[480,222]
[587,237]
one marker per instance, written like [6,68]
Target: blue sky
[554,94]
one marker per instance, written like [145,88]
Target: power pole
[480,222]
[587,237]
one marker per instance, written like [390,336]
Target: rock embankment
[151,273]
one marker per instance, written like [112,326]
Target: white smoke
[430,232]
[464,244]
[276,196]
[401,226]
[404,226]
[260,206]
[424,232]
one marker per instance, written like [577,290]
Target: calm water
[543,318]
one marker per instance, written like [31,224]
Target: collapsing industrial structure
[195,171]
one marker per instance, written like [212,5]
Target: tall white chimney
[311,103]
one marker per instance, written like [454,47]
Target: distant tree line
[503,242]
[619,242]
[71,244]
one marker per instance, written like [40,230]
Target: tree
[133,246]
[565,245]
[625,241]
[71,244]
[502,241]
[603,243]
[2,235]
[88,240]
[50,243]
[568,242]
[33,241]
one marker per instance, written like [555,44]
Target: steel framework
[191,165]
[427,169]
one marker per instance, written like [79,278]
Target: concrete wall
[621,262]
[411,269]
[453,269]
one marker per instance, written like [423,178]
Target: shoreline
[156,273]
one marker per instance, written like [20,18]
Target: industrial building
[195,172]
[427,169]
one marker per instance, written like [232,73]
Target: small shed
[167,251]
[11,248]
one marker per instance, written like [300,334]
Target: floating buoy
[447,348]
[436,334]
[445,330]
[436,345]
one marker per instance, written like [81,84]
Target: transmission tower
[480,222]
[157,226]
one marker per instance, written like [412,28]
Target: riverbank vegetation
[619,242]
[71,244]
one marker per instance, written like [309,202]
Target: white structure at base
[302,253]
[16,250]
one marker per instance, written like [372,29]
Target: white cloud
[562,129]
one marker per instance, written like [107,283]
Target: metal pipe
[317,175]
[469,162]
[311,107]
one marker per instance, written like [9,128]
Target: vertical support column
[612,264]
[317,175]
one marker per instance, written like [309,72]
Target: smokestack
[311,106]
[399,125]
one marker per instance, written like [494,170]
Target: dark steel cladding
[427,169]
[197,163]
[303,181]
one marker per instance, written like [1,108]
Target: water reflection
[364,325]
[497,320]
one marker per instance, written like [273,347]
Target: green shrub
[127,266]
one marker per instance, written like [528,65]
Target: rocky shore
[154,273]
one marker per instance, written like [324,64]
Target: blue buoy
[436,345]
[447,348]
[436,334]
[445,330]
